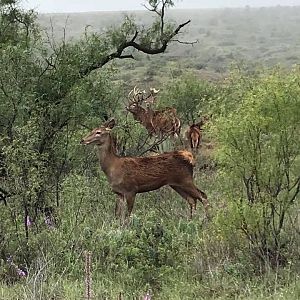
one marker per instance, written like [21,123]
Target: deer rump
[143,174]
[165,121]
[195,135]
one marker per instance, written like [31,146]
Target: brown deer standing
[129,176]
[157,122]
[194,133]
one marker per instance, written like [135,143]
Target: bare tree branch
[185,43]
[153,9]
[135,45]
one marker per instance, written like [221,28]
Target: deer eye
[98,132]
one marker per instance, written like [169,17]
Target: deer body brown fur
[160,122]
[143,116]
[194,136]
[165,121]
[129,176]
[194,133]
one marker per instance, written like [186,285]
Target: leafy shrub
[259,151]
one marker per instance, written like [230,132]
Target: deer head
[100,135]
[135,99]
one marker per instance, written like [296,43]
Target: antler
[153,91]
[136,96]
[151,97]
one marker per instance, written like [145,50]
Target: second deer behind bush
[163,122]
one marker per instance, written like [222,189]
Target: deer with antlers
[129,176]
[157,122]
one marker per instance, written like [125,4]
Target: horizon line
[173,8]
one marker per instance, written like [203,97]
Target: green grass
[161,250]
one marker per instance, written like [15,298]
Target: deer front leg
[120,205]
[204,201]
[130,202]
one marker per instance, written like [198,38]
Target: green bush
[259,151]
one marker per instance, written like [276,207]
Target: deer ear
[110,124]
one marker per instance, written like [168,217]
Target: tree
[16,25]
[48,94]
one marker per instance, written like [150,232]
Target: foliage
[189,95]
[46,95]
[254,36]
[56,203]
[259,151]
[16,26]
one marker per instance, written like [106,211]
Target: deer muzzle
[84,142]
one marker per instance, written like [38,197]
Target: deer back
[143,174]
[139,174]
[166,121]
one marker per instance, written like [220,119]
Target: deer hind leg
[203,198]
[191,143]
[191,201]
[193,192]
[199,141]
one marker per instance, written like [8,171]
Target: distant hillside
[266,36]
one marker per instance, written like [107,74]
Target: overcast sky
[107,5]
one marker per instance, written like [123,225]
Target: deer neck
[140,115]
[107,156]
[145,118]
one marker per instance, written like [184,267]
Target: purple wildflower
[49,222]
[21,272]
[147,296]
[28,221]
[9,259]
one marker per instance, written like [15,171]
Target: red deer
[129,176]
[194,133]
[157,122]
